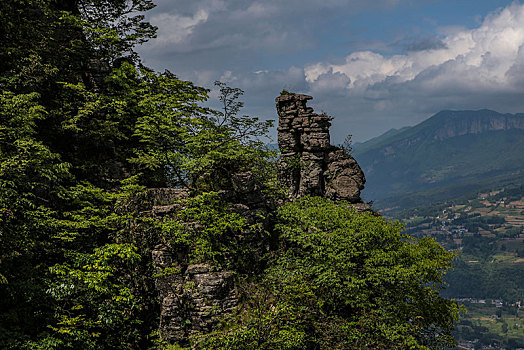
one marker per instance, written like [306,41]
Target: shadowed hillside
[454,150]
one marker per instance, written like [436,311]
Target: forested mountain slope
[461,148]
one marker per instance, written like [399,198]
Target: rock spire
[309,164]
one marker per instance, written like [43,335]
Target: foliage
[114,28]
[205,228]
[31,176]
[185,145]
[486,279]
[344,280]
[347,144]
[98,304]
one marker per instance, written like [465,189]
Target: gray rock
[309,164]
[243,183]
[192,300]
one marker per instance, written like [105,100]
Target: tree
[63,149]
[185,145]
[344,280]
[84,126]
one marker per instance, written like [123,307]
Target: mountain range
[450,154]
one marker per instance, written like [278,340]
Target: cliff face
[193,297]
[441,126]
[458,123]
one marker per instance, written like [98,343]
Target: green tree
[79,115]
[63,148]
[185,145]
[31,179]
[344,280]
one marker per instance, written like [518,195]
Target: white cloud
[262,46]
[175,28]
[480,58]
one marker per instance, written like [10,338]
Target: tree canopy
[343,280]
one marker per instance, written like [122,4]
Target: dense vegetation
[485,280]
[86,129]
[343,280]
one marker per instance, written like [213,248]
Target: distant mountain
[452,150]
[364,146]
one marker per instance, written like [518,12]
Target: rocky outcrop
[458,123]
[194,297]
[309,164]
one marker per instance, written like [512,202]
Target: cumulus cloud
[463,69]
[175,28]
[481,58]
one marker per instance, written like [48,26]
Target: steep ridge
[451,147]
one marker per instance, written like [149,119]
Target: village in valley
[496,214]
[487,233]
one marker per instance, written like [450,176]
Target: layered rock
[193,297]
[309,164]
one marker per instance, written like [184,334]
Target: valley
[487,232]
[451,154]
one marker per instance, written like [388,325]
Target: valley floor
[486,231]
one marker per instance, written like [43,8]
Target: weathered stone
[193,297]
[162,196]
[164,209]
[192,300]
[288,141]
[343,187]
[243,183]
[314,141]
[310,165]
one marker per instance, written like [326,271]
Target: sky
[373,65]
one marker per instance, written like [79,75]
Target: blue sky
[373,65]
